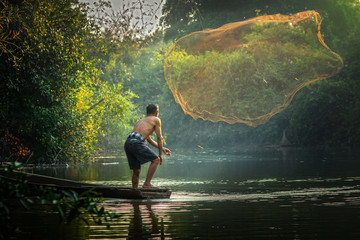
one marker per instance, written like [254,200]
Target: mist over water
[283,193]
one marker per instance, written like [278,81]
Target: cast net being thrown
[246,72]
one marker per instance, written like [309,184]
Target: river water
[269,193]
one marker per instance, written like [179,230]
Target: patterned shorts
[137,151]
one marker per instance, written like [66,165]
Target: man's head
[152,109]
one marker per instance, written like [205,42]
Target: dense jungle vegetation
[75,78]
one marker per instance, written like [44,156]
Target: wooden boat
[105,191]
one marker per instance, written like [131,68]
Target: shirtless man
[138,152]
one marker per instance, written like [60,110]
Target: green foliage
[177,15]
[330,109]
[118,111]
[53,103]
[15,191]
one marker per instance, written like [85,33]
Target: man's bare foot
[149,186]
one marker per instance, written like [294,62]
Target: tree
[52,100]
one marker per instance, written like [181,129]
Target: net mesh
[246,72]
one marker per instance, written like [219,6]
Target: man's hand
[167,151]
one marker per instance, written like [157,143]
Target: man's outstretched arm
[159,137]
[153,143]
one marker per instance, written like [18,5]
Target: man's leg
[150,174]
[135,178]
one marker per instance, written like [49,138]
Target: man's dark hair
[151,109]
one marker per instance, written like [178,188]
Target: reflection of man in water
[139,229]
[138,152]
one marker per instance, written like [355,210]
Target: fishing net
[246,72]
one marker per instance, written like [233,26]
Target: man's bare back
[147,126]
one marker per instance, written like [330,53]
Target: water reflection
[139,220]
[145,223]
[269,194]
[280,163]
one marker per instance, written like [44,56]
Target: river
[267,193]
